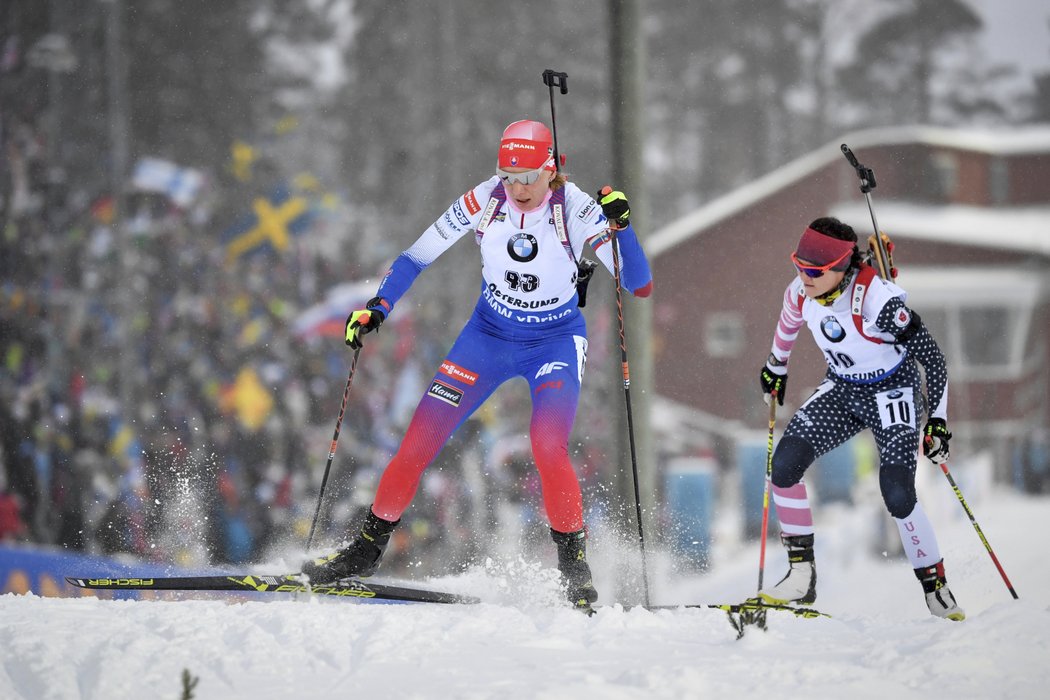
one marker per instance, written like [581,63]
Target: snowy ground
[880,644]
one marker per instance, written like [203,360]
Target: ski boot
[360,559]
[800,583]
[575,572]
[939,598]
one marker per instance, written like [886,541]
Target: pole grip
[866,175]
[849,156]
[553,79]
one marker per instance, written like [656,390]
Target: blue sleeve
[439,236]
[398,279]
[637,277]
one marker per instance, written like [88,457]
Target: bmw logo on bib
[522,247]
[832,329]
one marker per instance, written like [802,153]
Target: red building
[969,212]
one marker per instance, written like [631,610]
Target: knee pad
[790,461]
[898,490]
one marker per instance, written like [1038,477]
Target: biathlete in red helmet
[531,226]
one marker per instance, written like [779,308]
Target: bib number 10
[839,359]
[896,407]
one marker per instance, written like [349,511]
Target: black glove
[364,321]
[935,437]
[615,206]
[773,377]
[584,272]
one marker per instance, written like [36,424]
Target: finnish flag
[181,185]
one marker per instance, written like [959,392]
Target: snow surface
[881,643]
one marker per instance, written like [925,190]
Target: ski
[347,588]
[738,608]
[750,613]
[746,606]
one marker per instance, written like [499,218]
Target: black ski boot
[575,572]
[939,598]
[800,583]
[360,559]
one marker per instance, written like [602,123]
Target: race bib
[896,407]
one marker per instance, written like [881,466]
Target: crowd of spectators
[154,399]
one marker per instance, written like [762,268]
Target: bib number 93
[521,282]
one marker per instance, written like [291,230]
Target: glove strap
[775,365]
[380,305]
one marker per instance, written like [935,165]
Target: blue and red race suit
[526,324]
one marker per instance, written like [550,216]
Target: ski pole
[867,184]
[626,371]
[552,79]
[984,540]
[331,449]
[765,493]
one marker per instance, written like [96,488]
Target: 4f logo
[549,367]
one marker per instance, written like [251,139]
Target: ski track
[881,642]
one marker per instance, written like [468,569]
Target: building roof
[1021,229]
[973,286]
[1016,140]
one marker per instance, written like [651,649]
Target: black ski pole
[331,449]
[553,79]
[980,533]
[626,370]
[867,184]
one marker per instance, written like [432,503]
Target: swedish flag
[270,226]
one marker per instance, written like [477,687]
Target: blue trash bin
[836,472]
[690,488]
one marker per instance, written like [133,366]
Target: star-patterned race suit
[871,341]
[526,324]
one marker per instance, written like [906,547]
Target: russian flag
[328,318]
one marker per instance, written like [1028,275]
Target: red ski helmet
[526,144]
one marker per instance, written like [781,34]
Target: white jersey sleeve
[461,217]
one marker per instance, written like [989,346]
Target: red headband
[820,249]
[525,153]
